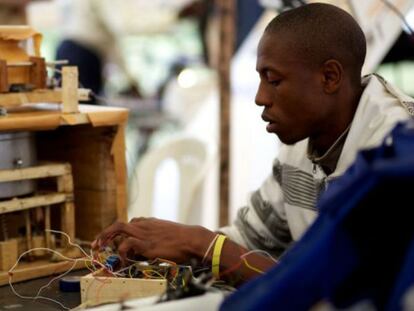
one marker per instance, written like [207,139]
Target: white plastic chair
[191,157]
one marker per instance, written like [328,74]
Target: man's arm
[261,225]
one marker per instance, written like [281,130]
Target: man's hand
[153,238]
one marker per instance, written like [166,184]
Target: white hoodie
[284,206]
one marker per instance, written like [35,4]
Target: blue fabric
[357,246]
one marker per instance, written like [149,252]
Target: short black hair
[321,31]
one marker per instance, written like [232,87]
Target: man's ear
[332,74]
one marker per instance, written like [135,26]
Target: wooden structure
[86,143]
[98,288]
[63,196]
[17,67]
[227,9]
[23,76]
[92,142]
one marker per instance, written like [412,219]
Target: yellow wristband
[215,262]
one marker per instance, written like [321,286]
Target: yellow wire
[145,272]
[252,268]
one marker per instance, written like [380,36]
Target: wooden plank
[70,83]
[41,171]
[38,241]
[38,72]
[8,254]
[4,81]
[97,155]
[97,288]
[118,152]
[227,9]
[67,216]
[68,222]
[28,225]
[65,182]
[15,205]
[10,100]
[39,268]
[47,227]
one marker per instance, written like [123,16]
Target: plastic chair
[191,157]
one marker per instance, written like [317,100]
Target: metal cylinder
[17,150]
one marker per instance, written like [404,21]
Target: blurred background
[159,59]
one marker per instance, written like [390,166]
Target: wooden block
[8,254]
[98,288]
[38,72]
[41,171]
[10,100]
[65,185]
[38,241]
[70,84]
[4,81]
[68,222]
[28,224]
[15,204]
[48,235]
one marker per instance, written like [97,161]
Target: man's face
[290,91]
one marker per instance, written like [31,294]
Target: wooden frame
[63,197]
[98,288]
[93,143]
[68,96]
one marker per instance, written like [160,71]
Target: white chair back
[191,158]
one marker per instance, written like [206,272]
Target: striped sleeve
[262,223]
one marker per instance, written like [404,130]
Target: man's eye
[274,82]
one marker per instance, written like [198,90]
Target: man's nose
[262,96]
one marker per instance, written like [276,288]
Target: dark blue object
[88,61]
[69,284]
[111,262]
[361,245]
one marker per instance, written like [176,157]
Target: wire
[56,278]
[69,240]
[75,261]
[251,267]
[209,248]
[259,251]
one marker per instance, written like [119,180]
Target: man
[309,61]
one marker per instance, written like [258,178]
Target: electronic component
[69,284]
[112,262]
